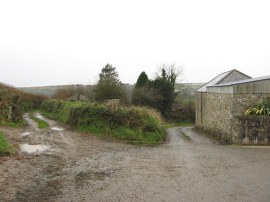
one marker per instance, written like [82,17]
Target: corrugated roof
[242,81]
[213,81]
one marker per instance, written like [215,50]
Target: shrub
[13,102]
[262,108]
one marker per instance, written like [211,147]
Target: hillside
[187,88]
[49,91]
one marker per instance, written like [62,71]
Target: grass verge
[41,123]
[128,135]
[5,148]
[13,124]
[175,124]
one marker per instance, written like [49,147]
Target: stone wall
[254,129]
[213,114]
[198,108]
[241,103]
[217,114]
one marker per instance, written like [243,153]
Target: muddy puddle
[26,134]
[39,116]
[57,128]
[30,122]
[29,149]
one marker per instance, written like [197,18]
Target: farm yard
[69,166]
[135,101]
[124,143]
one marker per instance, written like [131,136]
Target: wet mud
[81,167]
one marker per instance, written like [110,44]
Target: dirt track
[80,167]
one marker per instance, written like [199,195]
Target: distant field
[188,88]
[50,90]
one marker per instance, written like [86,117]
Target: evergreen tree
[109,86]
[158,93]
[142,80]
[138,94]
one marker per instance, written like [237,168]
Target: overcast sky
[65,42]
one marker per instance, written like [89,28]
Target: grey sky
[63,42]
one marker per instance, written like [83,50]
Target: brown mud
[81,167]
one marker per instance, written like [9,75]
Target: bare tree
[171,72]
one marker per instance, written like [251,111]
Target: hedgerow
[136,125]
[14,102]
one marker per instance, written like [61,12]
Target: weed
[185,136]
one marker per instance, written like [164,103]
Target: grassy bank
[41,123]
[175,124]
[13,124]
[131,124]
[13,103]
[5,148]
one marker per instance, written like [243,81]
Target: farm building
[78,97]
[220,105]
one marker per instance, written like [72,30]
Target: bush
[9,101]
[13,102]
[262,108]
[118,123]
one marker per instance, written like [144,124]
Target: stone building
[78,97]
[221,102]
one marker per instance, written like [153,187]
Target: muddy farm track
[69,166]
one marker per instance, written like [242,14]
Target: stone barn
[220,105]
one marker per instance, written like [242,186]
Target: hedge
[139,125]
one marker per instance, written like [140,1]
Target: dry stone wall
[214,116]
[218,114]
[254,129]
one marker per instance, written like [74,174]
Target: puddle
[57,129]
[30,122]
[251,146]
[40,117]
[26,148]
[25,134]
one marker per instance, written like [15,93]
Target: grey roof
[219,79]
[242,81]
[213,81]
[216,80]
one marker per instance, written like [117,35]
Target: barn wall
[198,108]
[260,87]
[240,104]
[255,87]
[214,114]
[254,129]
[217,114]
[221,89]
